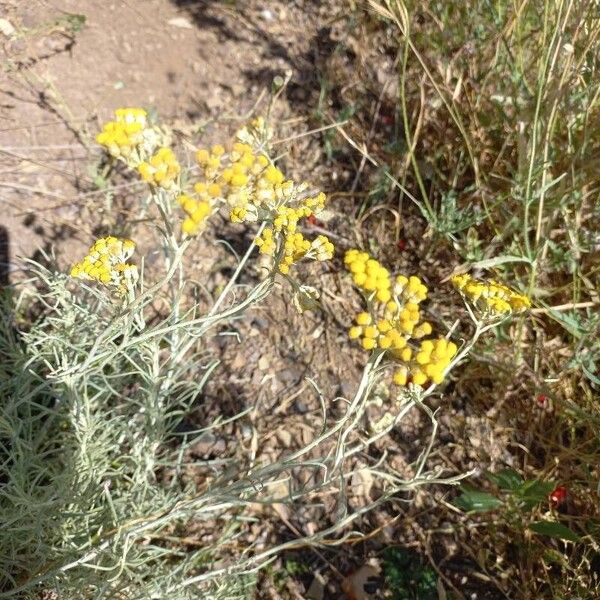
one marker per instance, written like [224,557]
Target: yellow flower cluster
[248,182]
[374,279]
[490,297]
[241,176]
[430,362]
[295,247]
[321,249]
[369,275]
[378,334]
[287,217]
[106,263]
[266,243]
[394,319]
[244,178]
[162,169]
[128,137]
[197,211]
[255,131]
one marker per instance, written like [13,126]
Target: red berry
[312,220]
[542,401]
[401,245]
[558,496]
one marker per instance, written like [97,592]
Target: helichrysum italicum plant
[104,390]
[95,390]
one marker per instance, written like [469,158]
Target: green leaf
[406,578]
[472,500]
[554,530]
[507,479]
[533,492]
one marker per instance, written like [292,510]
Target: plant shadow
[274,53]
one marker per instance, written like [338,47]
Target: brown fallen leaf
[354,585]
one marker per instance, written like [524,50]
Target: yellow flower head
[369,275]
[106,263]
[197,211]
[255,189]
[321,249]
[493,299]
[161,170]
[129,137]
[266,243]
[242,176]
[295,247]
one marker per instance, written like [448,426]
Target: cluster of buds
[491,298]
[129,137]
[106,263]
[295,247]
[393,322]
[369,275]
[430,363]
[254,189]
[242,177]
[197,211]
[161,169]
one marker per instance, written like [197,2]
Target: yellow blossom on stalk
[411,288]
[369,275]
[243,177]
[321,249]
[431,360]
[287,218]
[197,211]
[266,243]
[393,322]
[315,204]
[106,263]
[162,169]
[490,297]
[129,137]
[295,247]
[210,161]
[257,131]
